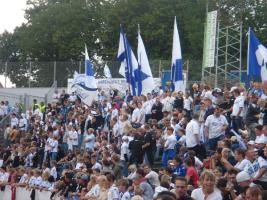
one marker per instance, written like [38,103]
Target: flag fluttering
[85,84]
[257,58]
[129,64]
[145,78]
[177,63]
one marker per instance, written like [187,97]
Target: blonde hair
[45,175]
[92,182]
[208,174]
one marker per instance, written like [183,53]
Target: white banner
[210,40]
[114,83]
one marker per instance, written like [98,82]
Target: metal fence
[44,74]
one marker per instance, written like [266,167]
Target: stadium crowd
[205,144]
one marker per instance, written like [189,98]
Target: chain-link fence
[44,74]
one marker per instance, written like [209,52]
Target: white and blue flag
[257,58]
[145,80]
[177,63]
[85,84]
[129,64]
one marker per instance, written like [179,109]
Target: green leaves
[58,29]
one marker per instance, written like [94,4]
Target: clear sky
[11,14]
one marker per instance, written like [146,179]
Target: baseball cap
[242,176]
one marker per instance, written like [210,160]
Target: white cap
[251,142]
[124,137]
[242,176]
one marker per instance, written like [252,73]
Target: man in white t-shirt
[215,127]
[192,133]
[238,111]
[151,176]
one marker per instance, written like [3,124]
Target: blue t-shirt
[179,170]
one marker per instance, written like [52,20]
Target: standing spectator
[193,136]
[89,140]
[135,147]
[157,110]
[169,146]
[215,127]
[238,111]
[14,121]
[253,110]
[149,145]
[125,155]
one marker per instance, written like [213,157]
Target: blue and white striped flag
[177,63]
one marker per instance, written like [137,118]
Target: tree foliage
[58,29]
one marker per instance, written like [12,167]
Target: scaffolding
[228,59]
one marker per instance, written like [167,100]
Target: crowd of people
[203,144]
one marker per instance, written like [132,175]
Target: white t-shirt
[238,103]
[188,103]
[124,150]
[113,193]
[215,124]
[153,178]
[170,142]
[136,115]
[261,139]
[97,166]
[258,164]
[241,165]
[14,122]
[94,192]
[73,138]
[54,145]
[198,194]
[182,140]
[167,103]
[89,141]
[147,106]
[191,130]
[253,169]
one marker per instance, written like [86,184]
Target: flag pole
[248,51]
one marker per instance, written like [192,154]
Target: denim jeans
[53,155]
[167,155]
[212,143]
[124,168]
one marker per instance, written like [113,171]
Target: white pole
[248,52]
